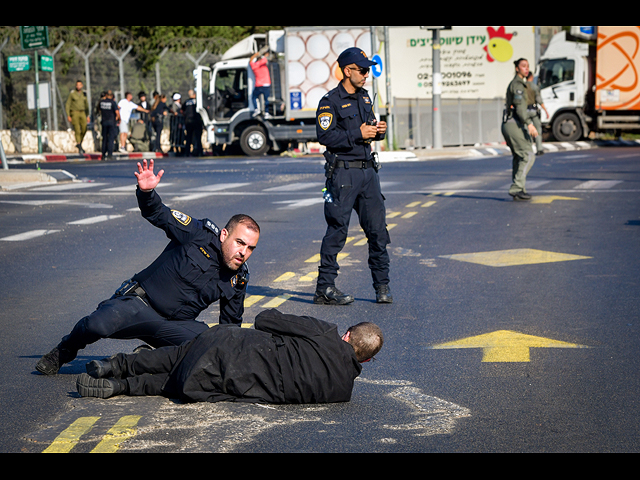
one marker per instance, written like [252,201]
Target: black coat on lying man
[285,359]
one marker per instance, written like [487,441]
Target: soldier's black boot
[332,296]
[100,387]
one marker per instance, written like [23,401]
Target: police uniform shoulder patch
[325,120]
[182,218]
[209,225]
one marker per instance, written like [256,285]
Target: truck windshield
[231,92]
[553,72]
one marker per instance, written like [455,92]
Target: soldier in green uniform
[519,131]
[78,113]
[535,104]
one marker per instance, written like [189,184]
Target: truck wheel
[254,141]
[567,128]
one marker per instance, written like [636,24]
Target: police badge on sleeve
[325,120]
[182,218]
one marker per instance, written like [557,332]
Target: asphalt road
[514,329]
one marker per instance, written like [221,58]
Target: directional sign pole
[38,106]
[437,91]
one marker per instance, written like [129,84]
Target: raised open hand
[147,180]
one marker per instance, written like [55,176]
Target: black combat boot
[383,294]
[51,363]
[108,368]
[100,387]
[332,296]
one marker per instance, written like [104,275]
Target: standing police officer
[194,126]
[347,126]
[202,265]
[518,131]
[110,115]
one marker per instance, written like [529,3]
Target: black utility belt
[362,164]
[131,289]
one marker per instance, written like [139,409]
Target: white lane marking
[209,191]
[452,185]
[36,203]
[67,187]
[28,235]
[295,187]
[94,220]
[130,188]
[295,204]
[599,185]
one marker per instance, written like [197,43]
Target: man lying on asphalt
[286,359]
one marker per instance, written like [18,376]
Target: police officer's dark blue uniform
[160,305]
[353,182]
[110,117]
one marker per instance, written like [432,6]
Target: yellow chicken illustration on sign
[499,48]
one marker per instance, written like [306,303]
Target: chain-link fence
[102,64]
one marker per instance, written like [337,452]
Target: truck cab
[225,92]
[566,76]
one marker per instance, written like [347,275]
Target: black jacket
[190,275]
[285,360]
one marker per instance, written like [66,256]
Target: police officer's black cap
[355,55]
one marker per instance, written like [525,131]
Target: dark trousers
[146,373]
[355,189]
[158,127]
[128,318]
[109,135]
[194,138]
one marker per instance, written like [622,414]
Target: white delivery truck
[592,88]
[303,68]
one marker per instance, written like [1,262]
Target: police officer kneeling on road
[201,265]
[347,126]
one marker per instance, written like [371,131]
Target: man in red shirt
[260,66]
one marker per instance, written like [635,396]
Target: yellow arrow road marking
[505,346]
[511,258]
[547,200]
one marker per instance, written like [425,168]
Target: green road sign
[32,38]
[46,63]
[21,63]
